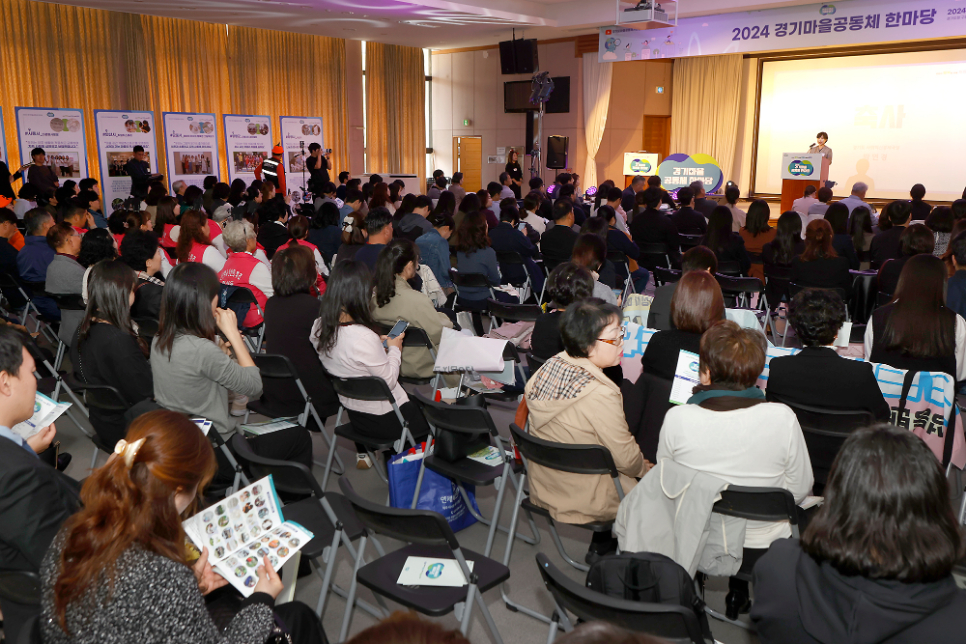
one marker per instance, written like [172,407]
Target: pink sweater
[358,351]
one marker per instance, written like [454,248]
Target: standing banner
[298,132]
[191,142]
[823,24]
[248,141]
[60,133]
[13,165]
[117,134]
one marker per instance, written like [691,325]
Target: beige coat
[572,401]
[417,309]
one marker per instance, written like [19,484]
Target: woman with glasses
[571,400]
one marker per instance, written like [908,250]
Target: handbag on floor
[437,493]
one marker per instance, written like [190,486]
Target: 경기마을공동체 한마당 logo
[801,168]
[640,165]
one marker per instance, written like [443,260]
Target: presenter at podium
[819,147]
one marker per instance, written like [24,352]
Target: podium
[799,171]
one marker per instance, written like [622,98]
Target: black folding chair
[372,389]
[279,367]
[664,276]
[507,312]
[729,267]
[690,241]
[741,289]
[52,384]
[429,535]
[513,258]
[534,363]
[464,423]
[672,623]
[255,334]
[147,328]
[470,280]
[22,587]
[328,516]
[825,431]
[767,504]
[655,249]
[592,460]
[42,322]
[415,337]
[620,259]
[101,397]
[65,302]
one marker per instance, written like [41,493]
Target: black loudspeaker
[526,56]
[508,63]
[557,151]
[529,136]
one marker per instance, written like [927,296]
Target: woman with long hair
[354,236]
[298,228]
[325,233]
[236,192]
[107,350]
[819,265]
[916,239]
[916,331]
[406,206]
[194,244]
[395,299]
[468,205]
[381,198]
[446,203]
[756,233]
[777,257]
[590,252]
[940,222]
[193,374]
[837,216]
[474,255]
[728,246]
[513,169]
[96,245]
[860,229]
[877,557]
[349,347]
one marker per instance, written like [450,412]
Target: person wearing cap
[273,170]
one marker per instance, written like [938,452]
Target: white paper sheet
[685,377]
[425,571]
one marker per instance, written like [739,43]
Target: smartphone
[399,327]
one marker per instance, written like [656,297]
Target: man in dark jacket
[688,220]
[638,183]
[886,245]
[652,226]
[699,258]
[35,499]
[702,204]
[506,238]
[956,285]
[139,170]
[557,244]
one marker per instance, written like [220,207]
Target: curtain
[597,80]
[704,107]
[285,74]
[395,109]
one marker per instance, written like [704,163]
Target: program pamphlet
[46,411]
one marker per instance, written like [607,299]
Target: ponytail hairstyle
[130,502]
[354,229]
[194,228]
[393,259]
[818,241]
[298,228]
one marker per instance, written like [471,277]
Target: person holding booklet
[118,571]
[728,430]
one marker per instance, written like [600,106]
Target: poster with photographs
[248,141]
[243,529]
[117,134]
[60,133]
[298,132]
[191,144]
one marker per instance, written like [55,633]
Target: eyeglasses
[616,341]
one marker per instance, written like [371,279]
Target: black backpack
[648,577]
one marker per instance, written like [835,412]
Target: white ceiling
[437,24]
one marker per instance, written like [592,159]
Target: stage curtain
[704,107]
[395,109]
[285,74]
[597,81]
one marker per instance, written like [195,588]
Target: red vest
[118,239]
[238,272]
[197,252]
[319,280]
[166,240]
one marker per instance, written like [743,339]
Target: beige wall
[467,85]
[354,80]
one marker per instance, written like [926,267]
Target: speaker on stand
[557,151]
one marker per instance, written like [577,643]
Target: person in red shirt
[273,170]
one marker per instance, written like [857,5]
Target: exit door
[468,159]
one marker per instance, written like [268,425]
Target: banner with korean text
[61,135]
[825,24]
[248,142]
[191,142]
[117,134]
[298,132]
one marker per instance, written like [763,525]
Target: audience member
[818,376]
[956,286]
[857,197]
[487,204]
[838,218]
[654,181]
[408,628]
[818,210]
[875,564]
[381,199]
[728,246]
[699,258]
[756,233]
[349,348]
[557,244]
[885,245]
[107,350]
[613,197]
[289,316]
[194,244]
[77,216]
[651,226]
[325,233]
[530,214]
[940,222]
[819,266]
[243,270]
[806,201]
[298,229]
[272,226]
[696,305]
[618,240]
[95,246]
[701,202]
[629,196]
[474,255]
[378,234]
[917,331]
[434,250]
[193,375]
[65,276]
[916,239]
[35,499]
[567,283]
[33,260]
[394,299]
[860,229]
[456,187]
[353,236]
[688,220]
[920,209]
[591,253]
[446,203]
[26,200]
[732,194]
[571,400]
[140,251]
[340,191]
[166,222]
[721,432]
[353,204]
[416,223]
[507,237]
[468,205]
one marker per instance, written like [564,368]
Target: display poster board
[191,145]
[60,132]
[248,142]
[117,134]
[298,132]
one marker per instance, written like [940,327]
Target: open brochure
[686,376]
[426,571]
[241,530]
[46,411]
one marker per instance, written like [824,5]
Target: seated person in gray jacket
[65,275]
